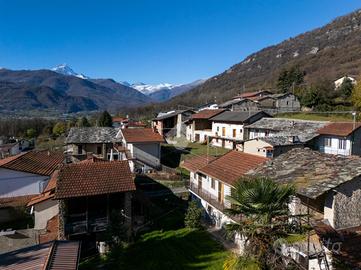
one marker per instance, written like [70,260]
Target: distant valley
[63,90]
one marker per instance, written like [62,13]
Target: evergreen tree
[83,122]
[193,216]
[105,120]
[346,88]
[59,129]
[289,78]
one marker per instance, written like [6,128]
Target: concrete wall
[149,153]
[256,147]
[43,212]
[15,183]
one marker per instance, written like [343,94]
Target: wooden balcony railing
[81,224]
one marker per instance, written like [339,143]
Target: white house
[340,139]
[27,173]
[340,81]
[199,126]
[228,127]
[143,146]
[211,181]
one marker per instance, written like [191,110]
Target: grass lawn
[163,250]
[341,117]
[172,156]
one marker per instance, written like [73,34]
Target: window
[80,149]
[99,150]
[223,131]
[234,133]
[217,129]
[213,184]
[327,142]
[266,133]
[342,144]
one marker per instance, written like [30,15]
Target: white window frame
[327,142]
[342,143]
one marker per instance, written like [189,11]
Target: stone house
[240,105]
[87,206]
[172,123]
[328,190]
[98,141]
[10,149]
[340,139]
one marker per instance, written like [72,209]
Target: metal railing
[207,196]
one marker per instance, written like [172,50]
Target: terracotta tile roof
[8,159]
[41,197]
[16,201]
[339,129]
[195,163]
[139,135]
[231,166]
[120,119]
[87,179]
[54,255]
[206,114]
[49,191]
[36,162]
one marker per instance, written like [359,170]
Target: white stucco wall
[43,212]
[217,129]
[334,147]
[16,183]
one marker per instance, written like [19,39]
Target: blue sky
[152,41]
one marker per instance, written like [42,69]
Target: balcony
[80,224]
[207,196]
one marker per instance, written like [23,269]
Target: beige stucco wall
[43,212]
[256,147]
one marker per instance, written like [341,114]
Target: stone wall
[347,204]
[62,213]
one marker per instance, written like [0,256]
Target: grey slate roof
[231,116]
[305,130]
[232,102]
[168,115]
[281,140]
[313,173]
[92,135]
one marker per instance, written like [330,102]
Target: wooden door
[220,192]
[223,131]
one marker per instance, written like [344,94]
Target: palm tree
[263,207]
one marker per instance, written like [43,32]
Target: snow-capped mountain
[148,89]
[66,70]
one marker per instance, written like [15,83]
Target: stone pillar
[62,213]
